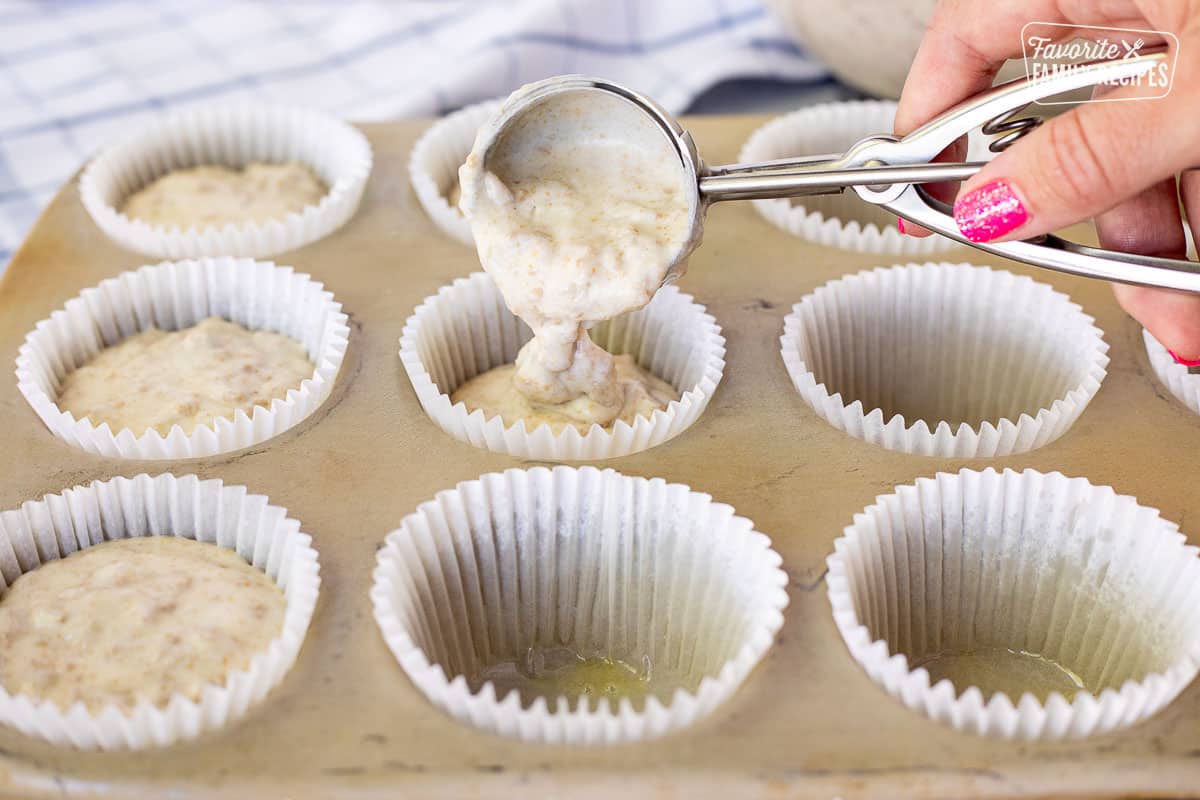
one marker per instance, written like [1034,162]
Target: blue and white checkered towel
[77,75]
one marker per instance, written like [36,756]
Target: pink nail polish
[1187,362]
[989,212]
[900,225]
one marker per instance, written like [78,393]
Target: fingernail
[900,225]
[989,212]
[1187,362]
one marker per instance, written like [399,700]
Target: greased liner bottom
[844,220]
[1175,376]
[165,505]
[594,560]
[174,295]
[466,329]
[231,136]
[436,157]
[1037,563]
[944,359]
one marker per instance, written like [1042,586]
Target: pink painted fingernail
[1187,362]
[989,212]
[900,225]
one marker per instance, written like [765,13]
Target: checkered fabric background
[77,75]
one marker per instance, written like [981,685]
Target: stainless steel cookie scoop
[883,169]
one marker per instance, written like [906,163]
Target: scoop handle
[797,179]
[1053,252]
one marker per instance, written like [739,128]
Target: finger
[965,44]
[946,192]
[1172,317]
[1149,223]
[1080,164]
[1189,192]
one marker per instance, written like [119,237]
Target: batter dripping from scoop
[577,217]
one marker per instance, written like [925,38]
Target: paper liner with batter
[174,295]
[436,157]
[466,329]
[231,136]
[1031,562]
[838,220]
[944,359]
[607,565]
[165,505]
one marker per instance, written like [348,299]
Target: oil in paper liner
[621,567]
[1028,562]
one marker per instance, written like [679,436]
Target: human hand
[1115,162]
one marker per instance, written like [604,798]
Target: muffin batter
[578,217]
[158,379]
[495,392]
[216,196]
[135,619]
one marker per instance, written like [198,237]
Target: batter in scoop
[578,220]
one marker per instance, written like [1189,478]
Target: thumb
[1172,317]
[1078,165]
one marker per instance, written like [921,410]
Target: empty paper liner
[944,359]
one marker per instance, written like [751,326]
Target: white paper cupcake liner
[207,511]
[1175,376]
[174,295]
[436,157]
[844,220]
[593,560]
[948,360]
[466,329]
[1043,564]
[230,136]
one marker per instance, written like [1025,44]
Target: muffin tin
[808,721]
